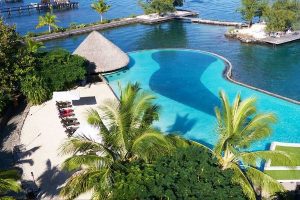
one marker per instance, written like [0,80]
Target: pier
[79,31]
[38,7]
[143,19]
[212,22]
[286,38]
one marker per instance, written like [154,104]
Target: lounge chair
[71,130]
[63,115]
[75,123]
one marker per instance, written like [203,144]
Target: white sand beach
[43,133]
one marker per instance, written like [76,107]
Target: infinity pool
[186,84]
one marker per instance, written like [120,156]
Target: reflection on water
[164,35]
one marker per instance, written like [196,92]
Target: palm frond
[252,158]
[7,185]
[77,161]
[77,144]
[258,128]
[79,183]
[240,178]
[150,145]
[268,185]
[10,174]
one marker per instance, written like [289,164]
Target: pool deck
[287,38]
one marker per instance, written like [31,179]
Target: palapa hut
[103,55]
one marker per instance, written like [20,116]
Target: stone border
[268,163]
[227,72]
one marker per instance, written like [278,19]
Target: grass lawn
[295,151]
[284,174]
[291,174]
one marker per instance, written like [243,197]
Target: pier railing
[38,7]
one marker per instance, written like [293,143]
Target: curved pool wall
[186,84]
[275,70]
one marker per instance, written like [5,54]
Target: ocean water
[272,69]
[186,84]
[212,9]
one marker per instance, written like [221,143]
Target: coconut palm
[100,7]
[48,20]
[8,182]
[33,46]
[127,134]
[239,126]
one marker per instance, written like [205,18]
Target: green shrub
[190,173]
[61,70]
[35,89]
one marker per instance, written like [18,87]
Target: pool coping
[227,72]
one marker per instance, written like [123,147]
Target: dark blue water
[213,9]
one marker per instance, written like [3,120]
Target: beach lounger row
[67,116]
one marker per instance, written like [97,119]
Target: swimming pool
[186,84]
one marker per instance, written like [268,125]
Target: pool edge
[227,73]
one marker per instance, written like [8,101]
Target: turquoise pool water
[186,84]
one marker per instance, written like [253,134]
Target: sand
[42,135]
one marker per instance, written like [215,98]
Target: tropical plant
[60,69]
[157,6]
[239,126]
[251,9]
[186,173]
[283,14]
[100,7]
[33,46]
[8,183]
[35,89]
[127,134]
[15,62]
[48,20]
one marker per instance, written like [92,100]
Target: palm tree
[100,7]
[48,20]
[127,134]
[33,46]
[8,182]
[239,126]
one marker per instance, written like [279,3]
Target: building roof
[103,55]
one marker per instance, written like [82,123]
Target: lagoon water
[212,9]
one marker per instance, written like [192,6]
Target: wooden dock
[212,22]
[294,36]
[37,7]
[113,24]
[180,14]
[84,30]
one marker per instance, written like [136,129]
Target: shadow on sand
[51,180]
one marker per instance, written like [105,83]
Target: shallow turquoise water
[187,83]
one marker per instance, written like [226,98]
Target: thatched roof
[103,55]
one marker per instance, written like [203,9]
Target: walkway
[212,22]
[144,19]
